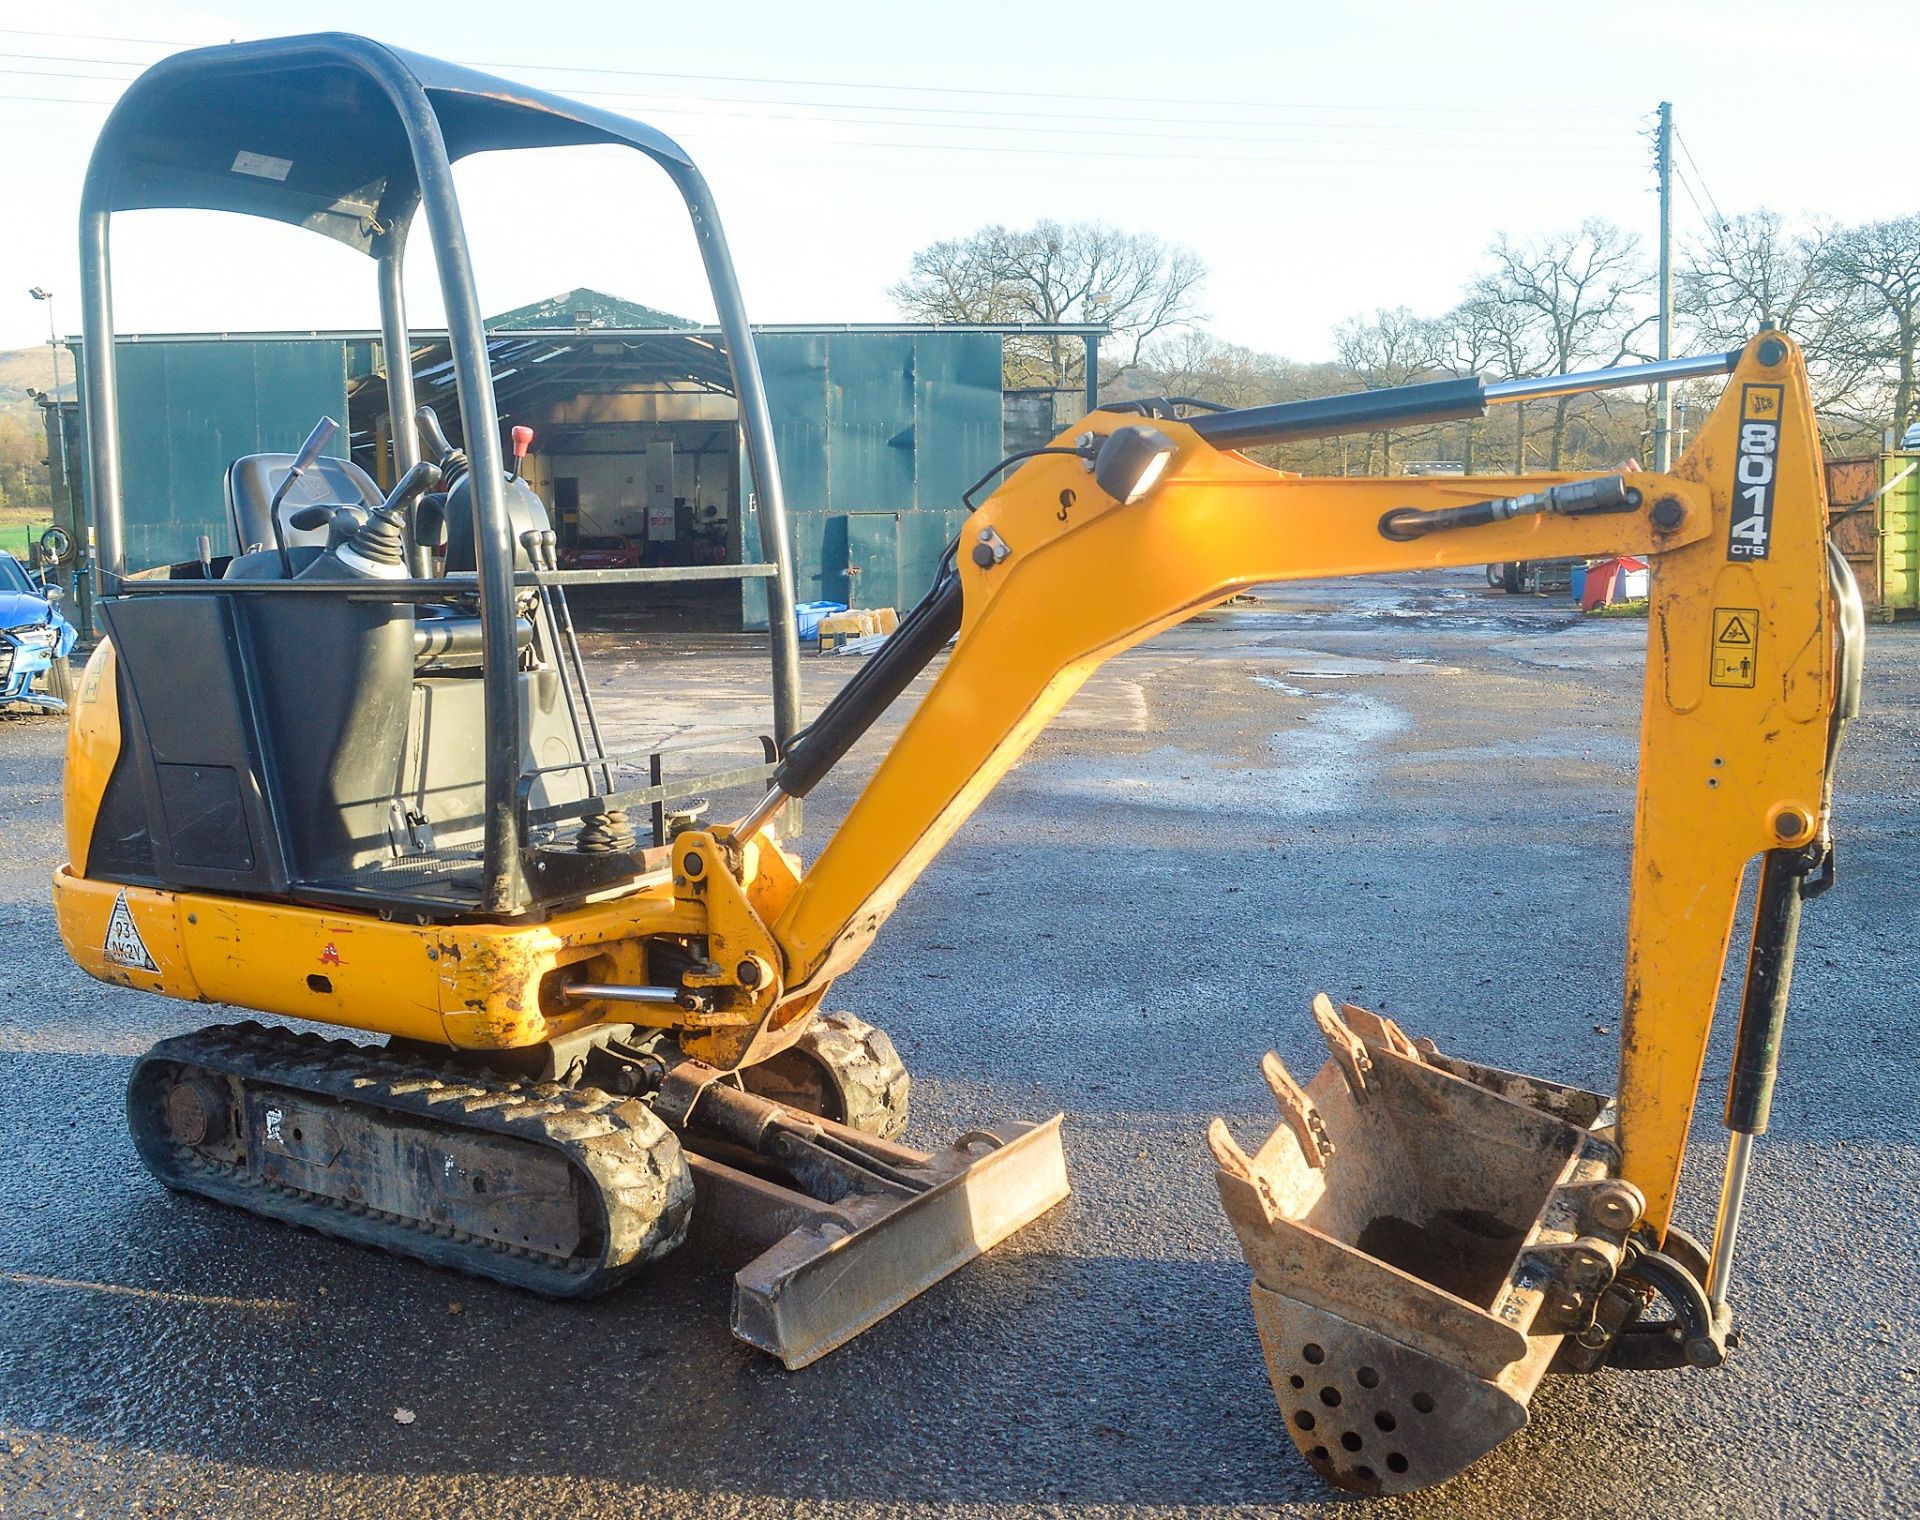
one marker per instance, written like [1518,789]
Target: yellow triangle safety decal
[124,947]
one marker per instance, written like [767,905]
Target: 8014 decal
[1755,471]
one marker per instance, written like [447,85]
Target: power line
[665,107]
[1719,219]
[1680,175]
[1383,162]
[669,106]
[857,84]
[1596,136]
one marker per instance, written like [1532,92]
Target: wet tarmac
[1413,794]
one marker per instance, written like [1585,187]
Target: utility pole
[1663,398]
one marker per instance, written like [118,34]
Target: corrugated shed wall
[188,410]
[878,435]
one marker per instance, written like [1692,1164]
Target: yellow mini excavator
[348,771]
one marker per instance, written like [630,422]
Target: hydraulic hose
[922,634]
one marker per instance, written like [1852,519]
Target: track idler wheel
[1424,1233]
[842,1069]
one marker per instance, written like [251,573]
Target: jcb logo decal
[1755,470]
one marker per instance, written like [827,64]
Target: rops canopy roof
[315,131]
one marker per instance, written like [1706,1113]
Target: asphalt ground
[1413,794]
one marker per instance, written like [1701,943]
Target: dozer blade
[1423,1233]
[852,1226]
[826,1282]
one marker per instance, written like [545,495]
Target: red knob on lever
[522,441]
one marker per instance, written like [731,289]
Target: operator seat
[252,480]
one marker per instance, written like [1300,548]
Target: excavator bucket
[1423,1233]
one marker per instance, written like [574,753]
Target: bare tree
[1760,270]
[1578,297]
[1195,363]
[1754,271]
[1140,285]
[1391,347]
[1484,336]
[1878,265]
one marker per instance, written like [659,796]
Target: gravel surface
[1414,794]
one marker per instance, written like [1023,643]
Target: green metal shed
[879,427]
[190,408]
[878,434]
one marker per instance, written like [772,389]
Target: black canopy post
[505,884]
[101,398]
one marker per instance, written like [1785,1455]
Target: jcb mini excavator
[348,772]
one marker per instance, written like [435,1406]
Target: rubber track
[631,1160]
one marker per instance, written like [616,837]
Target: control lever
[431,433]
[341,522]
[318,439]
[522,441]
[430,521]
[424,476]
[542,547]
[377,547]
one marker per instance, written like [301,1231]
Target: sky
[1324,159]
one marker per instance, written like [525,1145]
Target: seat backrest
[252,480]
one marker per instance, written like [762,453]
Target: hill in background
[24,367]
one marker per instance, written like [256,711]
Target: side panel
[871,436]
[1854,519]
[958,410]
[794,366]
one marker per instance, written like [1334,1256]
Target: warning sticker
[262,165]
[124,947]
[1736,646]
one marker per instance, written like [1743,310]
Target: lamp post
[53,340]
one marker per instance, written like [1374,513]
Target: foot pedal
[1423,1232]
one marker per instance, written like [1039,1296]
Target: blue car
[35,641]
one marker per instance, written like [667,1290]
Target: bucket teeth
[1227,1154]
[1346,1047]
[1298,1112]
[1422,1233]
